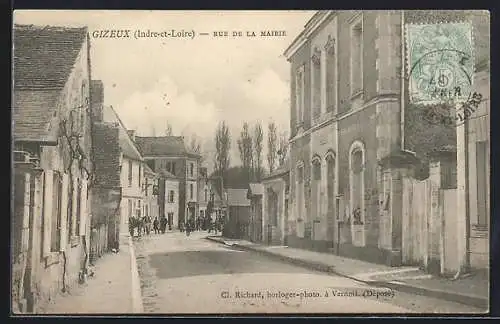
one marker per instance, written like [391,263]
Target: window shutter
[47,210]
[64,212]
[83,208]
[74,208]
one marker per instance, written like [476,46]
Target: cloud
[205,79]
[150,111]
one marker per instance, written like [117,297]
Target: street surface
[182,274]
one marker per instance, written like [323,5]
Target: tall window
[191,191]
[300,192]
[55,232]
[330,192]
[316,194]
[171,196]
[83,108]
[357,192]
[69,218]
[139,175]
[172,168]
[130,208]
[206,194]
[331,75]
[78,208]
[129,173]
[357,57]
[316,82]
[191,169]
[299,93]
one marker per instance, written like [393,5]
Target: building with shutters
[169,153]
[130,167]
[52,147]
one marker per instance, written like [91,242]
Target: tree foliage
[222,147]
[245,147]
[258,137]
[272,146]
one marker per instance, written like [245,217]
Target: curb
[475,301]
[137,306]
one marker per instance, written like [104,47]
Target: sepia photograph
[250,162]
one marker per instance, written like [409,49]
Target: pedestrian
[163,224]
[156,224]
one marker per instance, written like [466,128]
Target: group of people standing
[145,225]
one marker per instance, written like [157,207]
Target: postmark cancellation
[440,60]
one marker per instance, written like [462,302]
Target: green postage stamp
[440,62]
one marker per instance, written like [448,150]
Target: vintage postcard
[250,162]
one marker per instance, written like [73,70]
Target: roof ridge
[126,132]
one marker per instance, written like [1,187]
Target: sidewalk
[473,290]
[113,289]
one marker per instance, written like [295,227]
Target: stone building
[52,162]
[169,198]
[150,189]
[131,173]
[106,193]
[356,139]
[169,153]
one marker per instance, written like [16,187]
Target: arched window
[330,193]
[357,183]
[316,188]
[299,198]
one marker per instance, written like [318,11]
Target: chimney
[131,133]
[97,97]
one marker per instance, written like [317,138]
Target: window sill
[51,259]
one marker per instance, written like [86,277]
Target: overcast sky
[190,83]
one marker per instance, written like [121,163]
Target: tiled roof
[126,144]
[162,145]
[237,197]
[32,113]
[44,56]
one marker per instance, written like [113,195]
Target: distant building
[131,174]
[52,162]
[169,198]
[238,215]
[150,190]
[169,153]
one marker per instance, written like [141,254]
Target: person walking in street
[156,225]
[163,224]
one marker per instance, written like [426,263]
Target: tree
[282,148]
[272,146]
[258,136]
[246,149]
[222,147]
